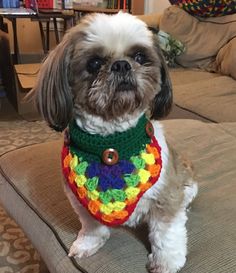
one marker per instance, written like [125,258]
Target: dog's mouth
[125,86]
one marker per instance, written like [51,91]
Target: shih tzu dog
[106,82]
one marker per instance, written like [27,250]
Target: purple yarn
[109,181]
[104,183]
[110,177]
[117,183]
[116,170]
[105,170]
[126,166]
[93,169]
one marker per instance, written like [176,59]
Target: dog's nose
[121,67]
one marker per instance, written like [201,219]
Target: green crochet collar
[127,144]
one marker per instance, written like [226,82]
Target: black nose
[121,66]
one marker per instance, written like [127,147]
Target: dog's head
[109,66]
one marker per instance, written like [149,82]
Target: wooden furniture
[41,17]
[25,79]
[18,80]
[137,7]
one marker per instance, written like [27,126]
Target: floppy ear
[52,91]
[162,102]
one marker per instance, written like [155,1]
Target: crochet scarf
[109,175]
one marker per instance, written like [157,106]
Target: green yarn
[92,183]
[132,180]
[92,146]
[118,195]
[138,162]
[106,196]
[112,195]
[81,168]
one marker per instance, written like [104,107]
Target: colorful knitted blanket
[109,175]
[207,8]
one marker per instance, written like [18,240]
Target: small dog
[101,82]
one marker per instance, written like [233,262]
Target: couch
[209,96]
[199,44]
[209,42]
[32,193]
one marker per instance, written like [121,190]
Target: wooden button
[110,156]
[149,129]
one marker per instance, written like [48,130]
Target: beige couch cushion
[210,95]
[203,38]
[31,191]
[226,59]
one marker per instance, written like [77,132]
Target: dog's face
[107,66]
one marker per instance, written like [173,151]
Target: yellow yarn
[132,192]
[107,209]
[80,180]
[74,162]
[148,158]
[117,206]
[144,175]
[93,195]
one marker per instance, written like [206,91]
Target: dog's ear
[52,91]
[162,102]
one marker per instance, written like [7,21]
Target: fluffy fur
[106,73]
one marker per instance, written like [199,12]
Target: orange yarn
[154,169]
[82,192]
[94,206]
[153,150]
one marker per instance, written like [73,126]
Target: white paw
[88,244]
[190,193]
[161,265]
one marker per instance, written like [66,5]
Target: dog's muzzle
[122,71]
[125,85]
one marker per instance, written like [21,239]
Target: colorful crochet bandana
[109,175]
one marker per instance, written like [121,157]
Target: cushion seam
[197,114]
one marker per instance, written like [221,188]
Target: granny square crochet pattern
[207,8]
[110,192]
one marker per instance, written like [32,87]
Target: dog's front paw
[159,264]
[88,244]
[85,246]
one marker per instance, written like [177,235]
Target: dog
[108,83]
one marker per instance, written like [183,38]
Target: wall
[152,6]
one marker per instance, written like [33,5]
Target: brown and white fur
[106,72]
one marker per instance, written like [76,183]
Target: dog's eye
[94,64]
[140,58]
